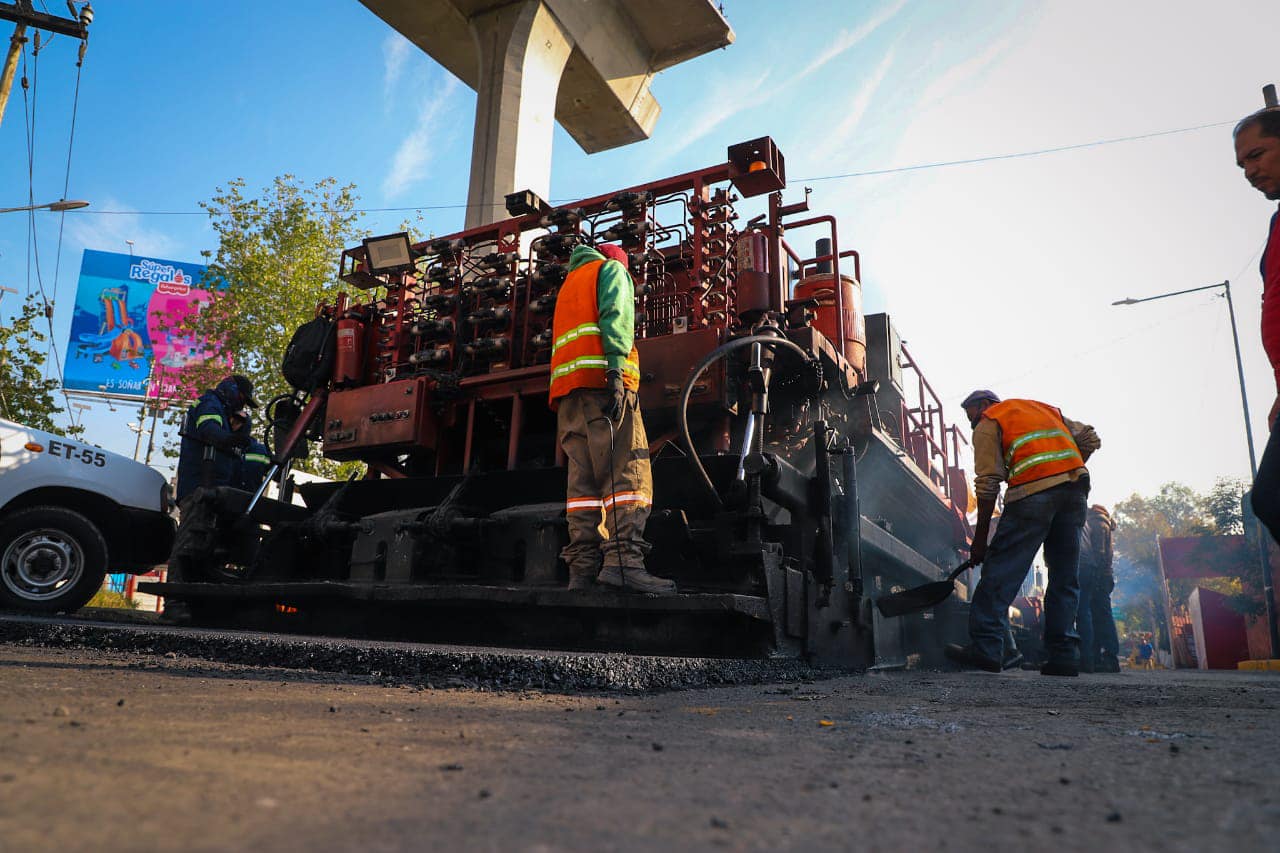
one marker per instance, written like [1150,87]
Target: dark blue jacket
[254,466]
[208,425]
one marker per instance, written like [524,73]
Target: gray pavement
[129,750]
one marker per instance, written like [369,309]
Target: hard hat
[978,396]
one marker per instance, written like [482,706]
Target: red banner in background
[1204,556]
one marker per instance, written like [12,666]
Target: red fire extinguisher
[348,363]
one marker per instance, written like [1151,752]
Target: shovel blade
[916,598]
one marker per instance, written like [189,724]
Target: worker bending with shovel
[1041,455]
[595,380]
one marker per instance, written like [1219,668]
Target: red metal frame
[686,284]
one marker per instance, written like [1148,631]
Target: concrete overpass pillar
[522,51]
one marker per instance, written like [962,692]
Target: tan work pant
[610,488]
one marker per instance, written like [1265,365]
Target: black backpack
[308,360]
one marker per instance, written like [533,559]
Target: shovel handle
[960,569]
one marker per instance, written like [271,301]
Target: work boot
[1060,667]
[1012,658]
[1108,663]
[176,613]
[971,657]
[635,579]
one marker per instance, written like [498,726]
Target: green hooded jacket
[616,301]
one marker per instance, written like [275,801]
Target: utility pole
[23,15]
[1264,559]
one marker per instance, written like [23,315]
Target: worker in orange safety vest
[1041,455]
[595,380]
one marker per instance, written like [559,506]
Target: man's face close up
[1259,156]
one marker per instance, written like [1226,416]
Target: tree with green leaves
[26,395]
[1176,510]
[276,260]
[1224,504]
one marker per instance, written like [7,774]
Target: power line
[1036,153]
[33,245]
[66,180]
[869,173]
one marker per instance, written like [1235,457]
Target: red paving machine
[801,462]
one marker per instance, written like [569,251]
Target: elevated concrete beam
[604,101]
[586,63]
[522,50]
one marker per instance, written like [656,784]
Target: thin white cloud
[847,39]
[842,136]
[726,100]
[413,158]
[108,232]
[396,50]
[962,73]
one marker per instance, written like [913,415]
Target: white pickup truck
[70,513]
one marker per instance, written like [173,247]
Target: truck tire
[51,560]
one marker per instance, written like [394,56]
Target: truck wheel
[51,560]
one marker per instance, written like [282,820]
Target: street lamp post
[55,206]
[1268,590]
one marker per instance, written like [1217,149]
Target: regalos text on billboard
[124,338]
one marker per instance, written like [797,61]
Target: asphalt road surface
[166,750]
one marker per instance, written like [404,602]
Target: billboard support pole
[142,419]
[151,439]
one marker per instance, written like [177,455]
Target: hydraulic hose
[687,391]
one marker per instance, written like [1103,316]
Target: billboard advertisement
[122,339]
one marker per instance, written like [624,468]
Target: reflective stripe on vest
[258,458]
[575,333]
[1032,436]
[577,355]
[1036,441]
[200,420]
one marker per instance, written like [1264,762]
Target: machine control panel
[392,416]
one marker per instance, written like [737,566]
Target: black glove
[617,405]
[239,439]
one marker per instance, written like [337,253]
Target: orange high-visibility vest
[577,354]
[1035,440]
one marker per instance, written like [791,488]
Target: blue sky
[997,274]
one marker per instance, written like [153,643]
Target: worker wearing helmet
[595,377]
[207,429]
[206,457]
[1041,455]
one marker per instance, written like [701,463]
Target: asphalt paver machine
[801,463]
